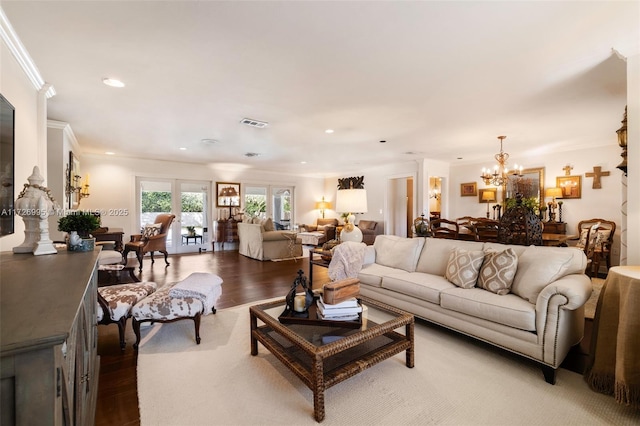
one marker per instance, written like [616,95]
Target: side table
[318,257]
[614,357]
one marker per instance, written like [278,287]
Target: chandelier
[500,173]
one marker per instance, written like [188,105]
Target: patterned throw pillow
[498,271]
[602,237]
[151,230]
[463,267]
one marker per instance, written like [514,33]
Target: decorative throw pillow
[463,267]
[151,230]
[602,237]
[583,238]
[268,224]
[498,271]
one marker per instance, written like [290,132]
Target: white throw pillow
[398,252]
[463,267]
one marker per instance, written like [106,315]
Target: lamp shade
[487,196]
[323,205]
[553,192]
[351,201]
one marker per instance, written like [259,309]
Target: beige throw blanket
[347,260]
[614,358]
[202,286]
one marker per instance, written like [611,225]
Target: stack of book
[347,310]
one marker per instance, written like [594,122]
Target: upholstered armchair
[602,241]
[328,226]
[153,238]
[369,231]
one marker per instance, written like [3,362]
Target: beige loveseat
[540,318]
[261,241]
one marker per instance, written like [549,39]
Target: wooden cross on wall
[567,169]
[597,173]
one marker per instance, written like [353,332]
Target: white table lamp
[351,201]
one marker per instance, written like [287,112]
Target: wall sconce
[622,141]
[322,206]
[74,186]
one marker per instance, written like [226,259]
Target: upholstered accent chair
[153,238]
[600,241]
[328,226]
[369,231]
[115,303]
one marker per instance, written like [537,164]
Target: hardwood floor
[245,280]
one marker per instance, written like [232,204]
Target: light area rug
[590,306]
[456,381]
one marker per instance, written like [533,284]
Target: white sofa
[541,317]
[256,242]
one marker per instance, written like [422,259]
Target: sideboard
[224,231]
[48,339]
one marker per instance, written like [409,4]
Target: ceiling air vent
[251,154]
[254,123]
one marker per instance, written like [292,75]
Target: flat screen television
[7,146]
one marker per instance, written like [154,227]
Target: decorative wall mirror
[530,184]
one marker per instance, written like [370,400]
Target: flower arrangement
[81,222]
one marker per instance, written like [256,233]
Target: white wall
[20,92]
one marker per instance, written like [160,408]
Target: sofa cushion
[372,274]
[417,284]
[498,271]
[435,254]
[398,252]
[463,267]
[540,266]
[501,247]
[509,310]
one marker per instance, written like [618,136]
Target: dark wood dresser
[224,231]
[554,227]
[48,350]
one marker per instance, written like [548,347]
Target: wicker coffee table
[322,356]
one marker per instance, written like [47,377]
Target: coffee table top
[377,318]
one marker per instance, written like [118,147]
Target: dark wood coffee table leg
[254,341]
[318,388]
[410,352]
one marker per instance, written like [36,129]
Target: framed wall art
[227,194]
[469,189]
[571,186]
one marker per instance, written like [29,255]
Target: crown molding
[19,52]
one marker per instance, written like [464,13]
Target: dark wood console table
[110,234]
[224,231]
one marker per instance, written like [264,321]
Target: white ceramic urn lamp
[351,201]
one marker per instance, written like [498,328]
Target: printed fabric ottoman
[167,305]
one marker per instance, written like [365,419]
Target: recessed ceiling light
[329,131]
[182,148]
[303,162]
[110,153]
[112,82]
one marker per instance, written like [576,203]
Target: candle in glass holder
[298,303]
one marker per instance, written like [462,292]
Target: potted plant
[191,231]
[79,225]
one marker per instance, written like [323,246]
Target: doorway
[270,201]
[400,201]
[187,200]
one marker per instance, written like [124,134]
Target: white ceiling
[433,79]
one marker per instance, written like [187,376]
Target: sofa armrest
[250,231]
[556,303]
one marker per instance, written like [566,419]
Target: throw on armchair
[328,226]
[154,238]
